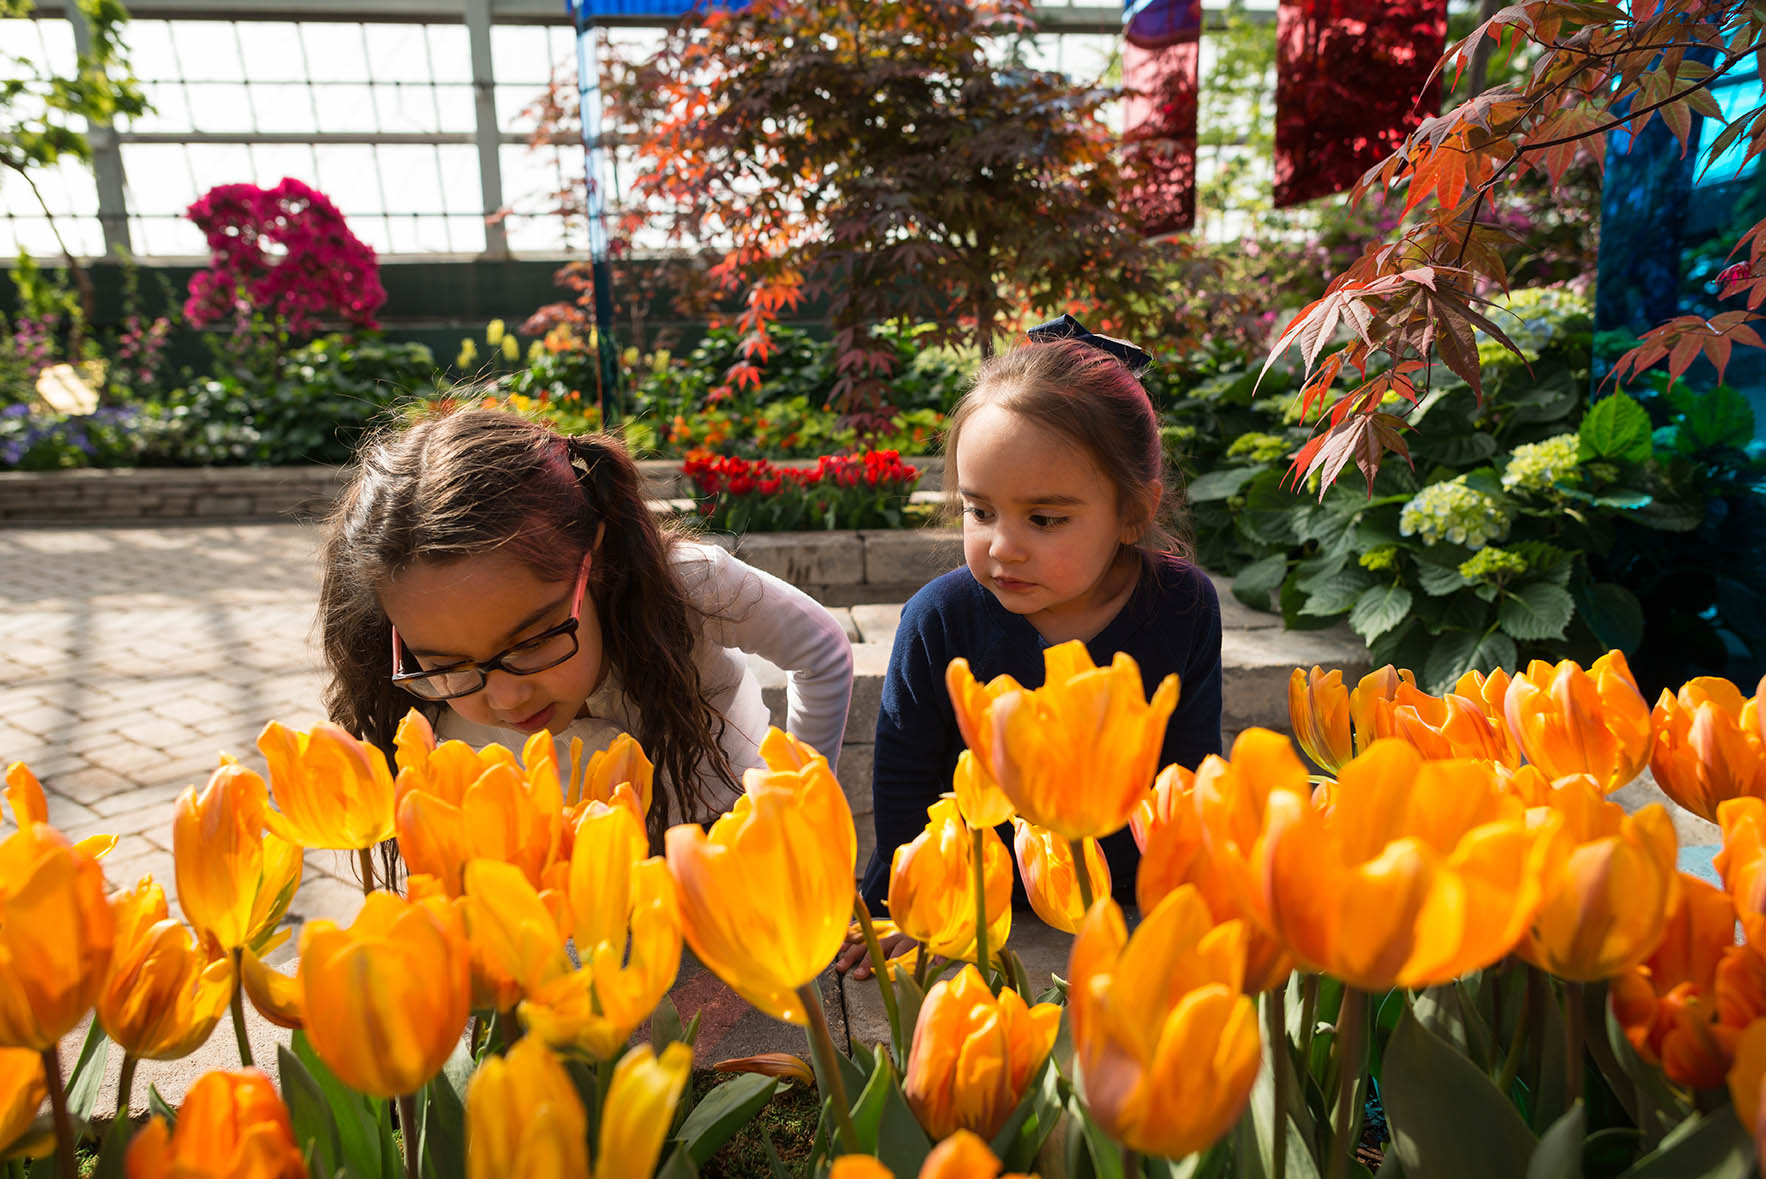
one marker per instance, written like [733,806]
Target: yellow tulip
[639,1109]
[932,885]
[1175,851]
[164,995]
[234,880]
[385,1000]
[524,1119]
[232,1125]
[1420,872]
[29,805]
[973,1055]
[453,804]
[1045,861]
[1231,799]
[766,896]
[1318,709]
[515,942]
[1077,754]
[24,1087]
[979,797]
[1570,721]
[1708,745]
[1164,1041]
[332,790]
[1608,910]
[56,933]
[277,996]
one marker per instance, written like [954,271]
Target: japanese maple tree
[1413,299]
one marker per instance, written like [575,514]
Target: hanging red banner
[1159,69]
[1352,80]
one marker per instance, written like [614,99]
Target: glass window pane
[406,108]
[456,106]
[207,51]
[457,165]
[170,108]
[166,236]
[349,175]
[221,106]
[397,53]
[158,176]
[410,178]
[282,106]
[467,234]
[520,53]
[513,103]
[345,106]
[272,51]
[335,52]
[450,53]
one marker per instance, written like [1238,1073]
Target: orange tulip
[1175,851]
[164,996]
[1746,1092]
[1421,872]
[859,1166]
[1164,1040]
[979,797]
[333,791]
[1367,711]
[1708,745]
[24,1087]
[453,804]
[1231,800]
[29,805]
[524,1119]
[386,999]
[766,896]
[1086,724]
[932,885]
[1445,726]
[232,1125]
[1608,910]
[56,933]
[1667,1006]
[1045,861]
[961,1156]
[974,1055]
[1490,694]
[1742,861]
[517,947]
[234,881]
[1570,721]
[1318,709]
[639,1109]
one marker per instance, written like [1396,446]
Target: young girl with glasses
[1054,460]
[505,579]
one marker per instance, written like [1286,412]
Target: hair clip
[1068,328]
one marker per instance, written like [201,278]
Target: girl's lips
[536,722]
[1013,585]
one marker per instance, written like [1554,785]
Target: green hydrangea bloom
[1537,466]
[1383,557]
[1259,448]
[1454,512]
[1492,563]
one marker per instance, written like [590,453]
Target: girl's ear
[1140,515]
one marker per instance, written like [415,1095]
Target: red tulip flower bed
[868,489]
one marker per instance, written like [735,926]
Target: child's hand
[853,956]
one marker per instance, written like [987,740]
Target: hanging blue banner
[657,8]
[1157,24]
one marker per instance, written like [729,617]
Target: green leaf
[315,1131]
[1537,610]
[82,1083]
[1448,1120]
[1713,1147]
[1615,427]
[114,1148]
[1335,594]
[1458,652]
[1259,579]
[665,1024]
[442,1116]
[1439,580]
[1721,417]
[724,1111]
[1612,612]
[679,1166]
[886,1125]
[357,1122]
[1379,609]
[1216,485]
[1559,1153]
[159,1107]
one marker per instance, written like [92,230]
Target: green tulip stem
[978,857]
[1308,1019]
[1511,1063]
[365,858]
[1131,1164]
[1082,873]
[126,1084]
[239,1008]
[1575,1033]
[64,1126]
[413,1143]
[1275,1011]
[879,965]
[821,1042]
[1351,1046]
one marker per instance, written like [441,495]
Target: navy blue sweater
[1170,624]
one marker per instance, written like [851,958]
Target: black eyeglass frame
[410,679]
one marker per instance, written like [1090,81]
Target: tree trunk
[1480,63]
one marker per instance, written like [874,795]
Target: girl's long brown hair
[473,481]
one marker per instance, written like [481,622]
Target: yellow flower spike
[1608,909]
[1045,861]
[29,805]
[235,881]
[164,995]
[973,1055]
[639,1108]
[524,1119]
[766,896]
[511,933]
[1708,746]
[332,790]
[1175,851]
[24,1087]
[1365,713]
[1165,1044]
[56,935]
[932,885]
[979,797]
[1570,721]
[1085,724]
[1421,872]
[232,1125]
[386,999]
[1318,709]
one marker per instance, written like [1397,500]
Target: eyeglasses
[545,650]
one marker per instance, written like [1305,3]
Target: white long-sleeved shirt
[742,609]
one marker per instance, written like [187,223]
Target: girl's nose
[1004,546]
[503,691]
